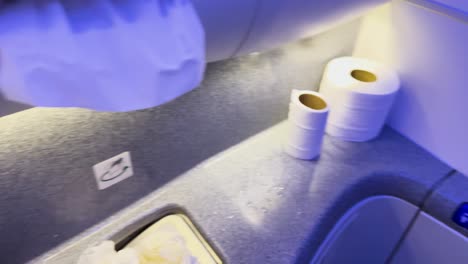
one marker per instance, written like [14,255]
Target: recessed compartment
[173,236]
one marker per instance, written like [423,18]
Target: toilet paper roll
[351,133]
[360,93]
[303,137]
[359,118]
[305,154]
[308,112]
[307,109]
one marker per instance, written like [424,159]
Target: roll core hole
[363,76]
[312,101]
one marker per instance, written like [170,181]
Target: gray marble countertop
[255,204]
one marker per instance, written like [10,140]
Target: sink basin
[386,229]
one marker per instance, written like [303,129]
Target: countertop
[48,192]
[256,204]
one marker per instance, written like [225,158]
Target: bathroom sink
[368,232]
[386,229]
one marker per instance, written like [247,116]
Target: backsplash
[46,155]
[425,41]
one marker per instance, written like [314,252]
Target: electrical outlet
[113,170]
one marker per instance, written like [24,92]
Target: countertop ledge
[255,204]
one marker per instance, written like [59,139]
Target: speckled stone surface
[445,200]
[47,189]
[255,204]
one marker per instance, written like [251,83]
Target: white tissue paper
[308,112]
[359,104]
[104,253]
[166,246]
[100,54]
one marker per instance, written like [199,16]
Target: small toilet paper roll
[360,93]
[307,118]
[303,137]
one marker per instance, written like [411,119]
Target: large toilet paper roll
[307,119]
[360,93]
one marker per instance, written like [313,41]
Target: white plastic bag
[106,55]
